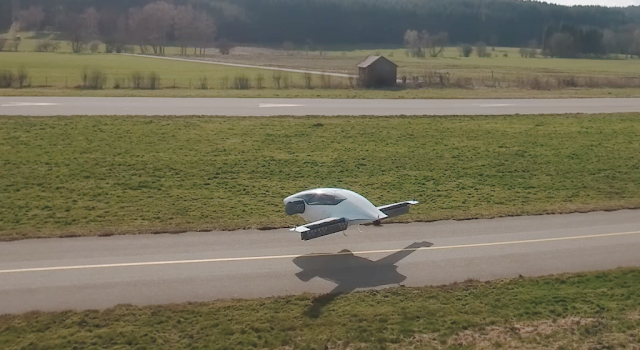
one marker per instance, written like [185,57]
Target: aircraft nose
[294,206]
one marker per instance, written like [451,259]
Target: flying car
[332,210]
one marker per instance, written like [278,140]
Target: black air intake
[295,207]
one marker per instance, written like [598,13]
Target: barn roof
[370,59]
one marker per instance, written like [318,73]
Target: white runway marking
[29,104]
[497,105]
[271,105]
[293,256]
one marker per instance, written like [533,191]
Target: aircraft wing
[321,228]
[396,209]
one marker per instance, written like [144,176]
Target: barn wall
[380,73]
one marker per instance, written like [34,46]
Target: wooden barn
[377,71]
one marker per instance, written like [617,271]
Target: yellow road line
[293,256]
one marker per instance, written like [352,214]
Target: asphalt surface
[53,106]
[95,273]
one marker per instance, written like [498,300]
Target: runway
[65,106]
[100,272]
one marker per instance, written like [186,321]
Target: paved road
[81,273]
[51,106]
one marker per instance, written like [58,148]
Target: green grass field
[102,175]
[494,77]
[62,70]
[513,64]
[584,311]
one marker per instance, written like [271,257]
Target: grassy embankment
[111,175]
[584,311]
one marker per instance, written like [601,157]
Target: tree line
[326,22]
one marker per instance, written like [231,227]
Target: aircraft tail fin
[396,209]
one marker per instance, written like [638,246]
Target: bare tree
[151,24]
[107,29]
[562,45]
[139,29]
[206,30]
[435,44]
[32,18]
[610,42]
[81,29]
[121,37]
[531,51]
[185,29]
[635,43]
[160,18]
[413,43]
[3,42]
[14,37]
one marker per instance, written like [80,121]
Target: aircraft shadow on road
[350,272]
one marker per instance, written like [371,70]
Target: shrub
[47,46]
[117,83]
[277,79]
[259,81]
[15,44]
[153,81]
[325,81]
[6,78]
[286,81]
[84,77]
[94,46]
[241,82]
[225,46]
[307,80]
[466,50]
[22,77]
[137,80]
[482,49]
[97,80]
[204,83]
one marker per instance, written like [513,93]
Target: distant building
[377,71]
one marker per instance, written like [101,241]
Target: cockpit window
[322,199]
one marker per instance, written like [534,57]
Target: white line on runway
[29,104]
[293,256]
[497,105]
[268,105]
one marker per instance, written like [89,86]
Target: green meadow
[66,176]
[599,310]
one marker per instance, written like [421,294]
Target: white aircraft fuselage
[331,210]
[351,206]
